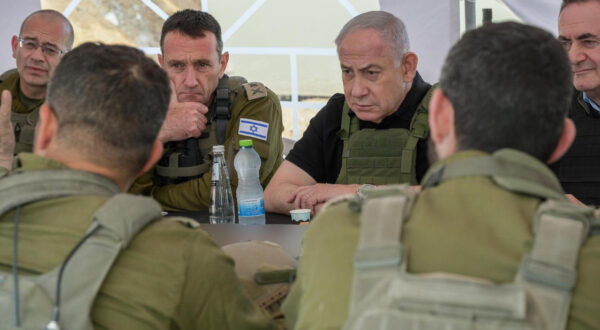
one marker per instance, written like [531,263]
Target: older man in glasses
[44,37]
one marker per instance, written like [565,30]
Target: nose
[576,53]
[190,79]
[359,87]
[38,54]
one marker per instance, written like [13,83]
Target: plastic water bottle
[221,208]
[250,197]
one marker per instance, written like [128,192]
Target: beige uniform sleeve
[195,194]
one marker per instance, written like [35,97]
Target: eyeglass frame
[44,47]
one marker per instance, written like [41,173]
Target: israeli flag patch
[254,128]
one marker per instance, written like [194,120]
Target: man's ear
[409,66]
[441,124]
[223,61]
[155,154]
[14,43]
[160,60]
[46,130]
[564,142]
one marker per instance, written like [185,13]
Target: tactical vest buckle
[379,256]
[538,271]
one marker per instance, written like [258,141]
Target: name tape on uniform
[254,128]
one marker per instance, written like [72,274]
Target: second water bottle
[250,198]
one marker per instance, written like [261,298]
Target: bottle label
[215,172]
[251,207]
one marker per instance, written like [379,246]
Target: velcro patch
[254,128]
[255,90]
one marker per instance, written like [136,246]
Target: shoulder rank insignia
[255,90]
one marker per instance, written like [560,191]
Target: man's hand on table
[314,196]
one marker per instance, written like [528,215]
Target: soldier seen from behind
[490,242]
[98,257]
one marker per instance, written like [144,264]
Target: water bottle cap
[218,148]
[245,143]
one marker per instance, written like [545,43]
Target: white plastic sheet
[433,27]
[542,13]
[13,13]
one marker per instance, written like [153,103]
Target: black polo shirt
[319,151]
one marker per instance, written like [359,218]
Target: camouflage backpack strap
[348,126]
[419,130]
[379,253]
[548,272]
[75,284]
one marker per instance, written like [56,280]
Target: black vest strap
[222,112]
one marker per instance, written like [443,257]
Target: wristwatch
[364,188]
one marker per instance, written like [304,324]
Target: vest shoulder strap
[222,108]
[117,223]
[223,100]
[510,169]
[379,251]
[23,188]
[549,270]
[77,280]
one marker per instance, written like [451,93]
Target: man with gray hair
[44,37]
[375,133]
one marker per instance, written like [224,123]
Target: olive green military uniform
[468,226]
[194,195]
[169,277]
[25,111]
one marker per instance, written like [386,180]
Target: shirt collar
[591,102]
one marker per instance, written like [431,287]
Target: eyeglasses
[48,49]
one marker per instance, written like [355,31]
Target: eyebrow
[365,68]
[579,37]
[586,36]
[171,62]
[36,40]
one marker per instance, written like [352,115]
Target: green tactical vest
[169,170]
[386,296]
[382,156]
[22,119]
[64,296]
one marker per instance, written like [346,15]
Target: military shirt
[24,114]
[467,226]
[169,277]
[194,194]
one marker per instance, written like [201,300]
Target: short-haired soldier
[98,130]
[207,108]
[44,37]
